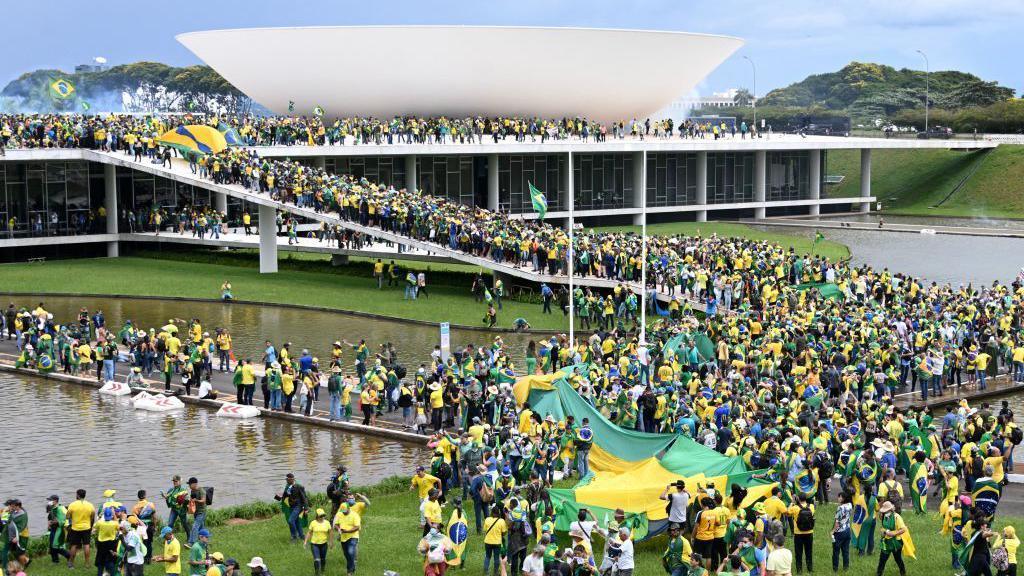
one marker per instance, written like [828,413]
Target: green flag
[85,106]
[540,202]
[61,89]
[318,110]
[291,106]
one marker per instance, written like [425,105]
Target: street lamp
[753,93]
[927,72]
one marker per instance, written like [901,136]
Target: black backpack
[805,519]
[1016,435]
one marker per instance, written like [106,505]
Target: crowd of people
[802,366]
[112,131]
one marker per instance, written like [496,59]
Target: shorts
[78,537]
[133,569]
[704,547]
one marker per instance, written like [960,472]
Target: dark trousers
[803,545]
[897,556]
[841,546]
[56,548]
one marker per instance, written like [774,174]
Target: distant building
[86,68]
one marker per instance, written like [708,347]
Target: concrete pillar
[110,205]
[639,184]
[220,202]
[865,178]
[702,185]
[412,183]
[320,162]
[815,180]
[760,175]
[268,240]
[339,259]
[493,200]
[567,183]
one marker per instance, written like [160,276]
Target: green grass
[918,182]
[299,281]
[802,244]
[391,532]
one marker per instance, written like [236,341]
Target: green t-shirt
[197,554]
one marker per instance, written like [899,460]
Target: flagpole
[571,256]
[642,185]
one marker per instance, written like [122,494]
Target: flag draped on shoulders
[458,533]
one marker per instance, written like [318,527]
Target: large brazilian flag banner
[629,468]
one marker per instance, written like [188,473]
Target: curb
[398,435]
[306,307]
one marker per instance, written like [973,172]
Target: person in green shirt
[177,501]
[892,541]
[56,516]
[197,555]
[675,560]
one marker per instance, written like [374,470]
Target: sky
[787,39]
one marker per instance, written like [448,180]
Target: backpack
[1000,559]
[805,519]
[1016,435]
[209,495]
[486,493]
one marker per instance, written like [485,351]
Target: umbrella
[194,138]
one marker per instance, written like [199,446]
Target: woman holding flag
[896,541]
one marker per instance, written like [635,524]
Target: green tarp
[826,289]
[705,347]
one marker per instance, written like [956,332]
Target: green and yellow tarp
[194,139]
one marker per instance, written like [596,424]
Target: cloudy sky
[788,39]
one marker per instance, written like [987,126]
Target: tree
[743,97]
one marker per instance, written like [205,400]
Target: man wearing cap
[676,558]
[177,501]
[221,567]
[197,560]
[678,502]
[171,557]
[56,515]
[197,502]
[294,497]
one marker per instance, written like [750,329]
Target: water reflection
[70,437]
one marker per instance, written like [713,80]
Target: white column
[702,185]
[411,178]
[320,162]
[110,205]
[760,169]
[220,204]
[492,182]
[815,181]
[268,240]
[639,184]
[567,183]
[865,178]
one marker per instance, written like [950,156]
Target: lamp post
[927,73]
[753,93]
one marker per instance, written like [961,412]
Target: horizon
[953,33]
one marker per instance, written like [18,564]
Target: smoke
[143,99]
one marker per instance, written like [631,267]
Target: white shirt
[205,388]
[679,502]
[533,565]
[131,539]
[625,561]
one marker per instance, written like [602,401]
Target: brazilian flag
[85,106]
[818,237]
[862,519]
[318,110]
[540,201]
[986,496]
[458,533]
[61,89]
[919,486]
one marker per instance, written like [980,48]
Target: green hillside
[938,182]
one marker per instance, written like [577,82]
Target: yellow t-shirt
[794,510]
[706,523]
[319,530]
[81,514]
[775,507]
[432,511]
[494,530]
[172,548]
[347,522]
[106,530]
[424,485]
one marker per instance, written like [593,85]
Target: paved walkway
[886,227]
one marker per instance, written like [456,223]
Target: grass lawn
[299,281]
[390,532]
[802,244]
[922,182]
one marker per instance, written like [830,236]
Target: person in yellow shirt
[431,510]
[774,507]
[80,516]
[803,531]
[106,542]
[347,522]
[318,537]
[171,558]
[495,529]
[423,483]
[704,525]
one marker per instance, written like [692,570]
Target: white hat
[257,562]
